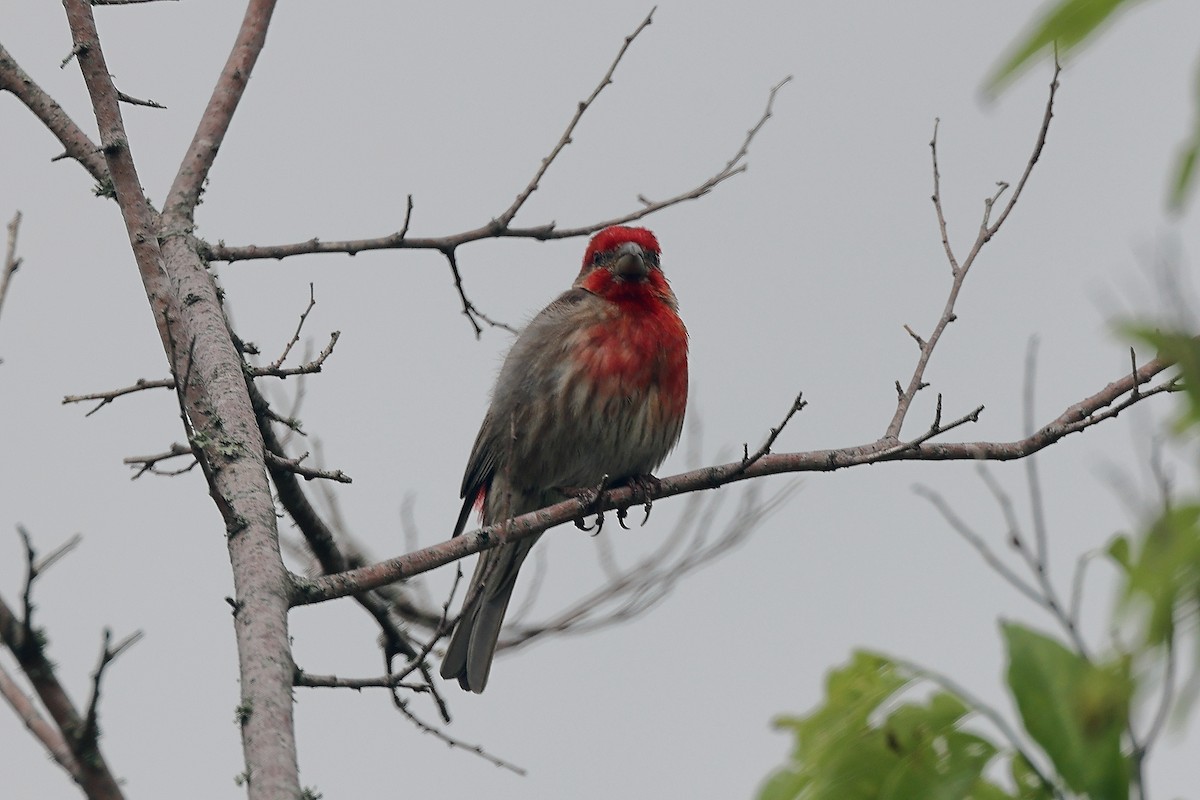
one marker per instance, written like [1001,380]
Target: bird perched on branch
[593,390]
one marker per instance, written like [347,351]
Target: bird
[592,392]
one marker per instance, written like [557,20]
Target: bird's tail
[473,645]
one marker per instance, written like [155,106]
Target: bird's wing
[481,466]
[541,331]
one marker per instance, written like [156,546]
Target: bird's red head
[622,263]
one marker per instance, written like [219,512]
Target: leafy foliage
[1062,28]
[1069,25]
[1075,710]
[864,743]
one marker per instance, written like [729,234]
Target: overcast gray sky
[797,275]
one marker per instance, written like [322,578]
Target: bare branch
[28,646]
[937,205]
[473,314]
[1165,701]
[1079,416]
[959,272]
[358,684]
[935,429]
[548,231]
[1037,506]
[1077,580]
[214,123]
[122,2]
[304,369]
[747,460]
[91,726]
[150,463]
[107,397]
[133,101]
[506,217]
[76,143]
[46,733]
[634,591]
[320,538]
[11,262]
[959,526]
[920,342]
[990,231]
[312,301]
[308,473]
[458,744]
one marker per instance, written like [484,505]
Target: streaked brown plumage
[594,386]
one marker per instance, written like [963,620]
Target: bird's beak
[631,263]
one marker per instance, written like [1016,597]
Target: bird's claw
[644,485]
[588,498]
[583,526]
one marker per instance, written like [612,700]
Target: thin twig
[1033,159]
[975,540]
[46,733]
[1038,566]
[144,464]
[1165,700]
[506,217]
[320,537]
[28,645]
[748,460]
[469,310]
[304,369]
[312,301]
[11,262]
[1036,503]
[133,101]
[308,473]
[306,679]
[937,204]
[408,210]
[1078,578]
[459,744]
[544,232]
[935,429]
[107,397]
[959,271]
[108,654]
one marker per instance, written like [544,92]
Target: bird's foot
[644,485]
[588,498]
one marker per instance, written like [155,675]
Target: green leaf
[1165,573]
[1076,711]
[1120,551]
[1068,24]
[1183,349]
[1027,780]
[853,747]
[1185,170]
[783,785]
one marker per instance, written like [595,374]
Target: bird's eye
[652,258]
[602,257]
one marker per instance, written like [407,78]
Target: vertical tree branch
[214,399]
[193,171]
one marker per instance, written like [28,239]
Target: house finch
[593,390]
